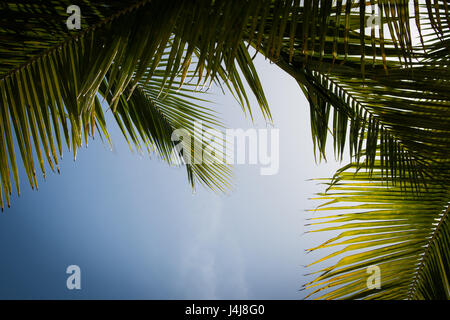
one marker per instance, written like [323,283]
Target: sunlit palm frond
[402,232]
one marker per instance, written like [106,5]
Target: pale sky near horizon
[137,231]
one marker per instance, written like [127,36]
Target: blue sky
[137,230]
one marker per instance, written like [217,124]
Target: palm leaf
[395,214]
[400,108]
[403,232]
[51,81]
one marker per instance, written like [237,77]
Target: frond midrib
[424,257]
[286,67]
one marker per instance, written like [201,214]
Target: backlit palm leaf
[404,233]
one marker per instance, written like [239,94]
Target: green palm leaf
[394,215]
[51,81]
[403,232]
[401,109]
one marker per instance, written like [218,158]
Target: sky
[137,231]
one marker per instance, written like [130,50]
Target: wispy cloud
[212,266]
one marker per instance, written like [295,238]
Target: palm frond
[50,81]
[398,103]
[395,215]
[154,111]
[403,232]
